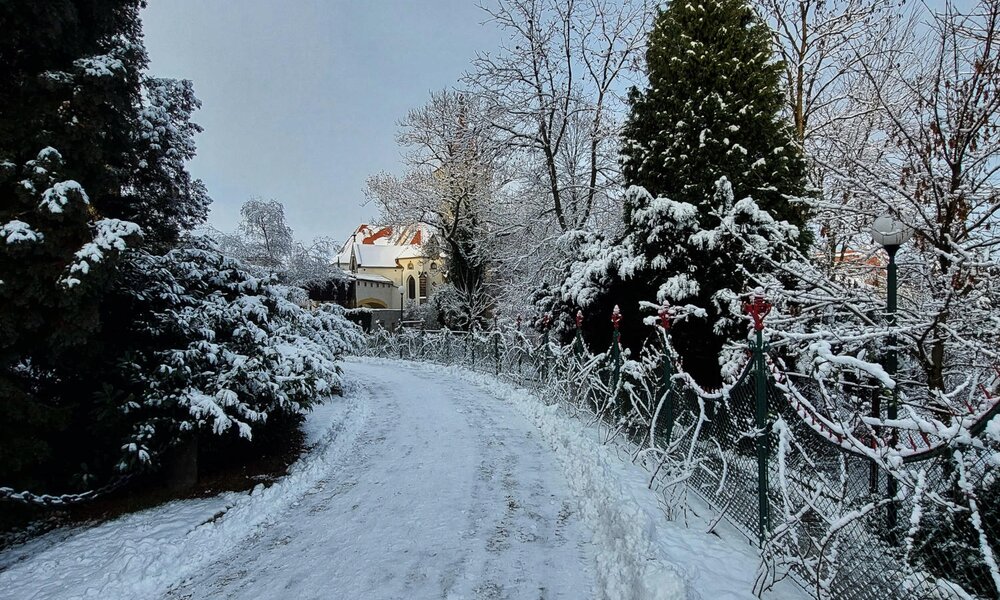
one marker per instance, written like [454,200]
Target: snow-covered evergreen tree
[217,348]
[70,81]
[712,109]
[110,335]
[708,157]
[742,236]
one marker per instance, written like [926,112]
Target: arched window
[411,287]
[423,285]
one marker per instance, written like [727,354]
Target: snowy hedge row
[223,349]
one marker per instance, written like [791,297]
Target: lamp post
[891,234]
[402,289]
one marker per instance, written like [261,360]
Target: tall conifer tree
[711,110]
[702,136]
[92,155]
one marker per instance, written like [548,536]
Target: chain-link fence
[842,512]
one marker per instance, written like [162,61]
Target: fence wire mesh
[828,518]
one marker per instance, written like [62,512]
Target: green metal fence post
[578,341]
[758,309]
[890,232]
[892,367]
[520,353]
[667,384]
[545,354]
[546,324]
[616,317]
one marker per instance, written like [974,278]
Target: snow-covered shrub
[698,258]
[216,349]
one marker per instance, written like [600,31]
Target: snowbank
[141,555]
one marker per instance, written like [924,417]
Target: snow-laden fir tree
[219,349]
[69,135]
[711,112]
[107,333]
[712,109]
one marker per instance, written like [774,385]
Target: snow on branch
[110,236]
[19,232]
[99,66]
[55,198]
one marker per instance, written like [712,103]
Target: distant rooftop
[382,246]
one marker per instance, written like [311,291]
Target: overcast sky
[300,98]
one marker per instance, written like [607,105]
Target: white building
[392,266]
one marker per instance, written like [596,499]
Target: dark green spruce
[711,109]
[77,113]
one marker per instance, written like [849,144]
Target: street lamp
[401,290]
[891,234]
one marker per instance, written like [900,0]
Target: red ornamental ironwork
[758,308]
[579,319]
[664,313]
[616,317]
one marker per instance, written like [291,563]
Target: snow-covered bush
[216,349]
[674,252]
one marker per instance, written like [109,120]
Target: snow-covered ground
[422,482]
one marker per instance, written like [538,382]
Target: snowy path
[422,482]
[446,494]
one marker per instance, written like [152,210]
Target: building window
[423,286]
[434,266]
[409,266]
[411,287]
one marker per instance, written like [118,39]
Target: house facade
[392,267]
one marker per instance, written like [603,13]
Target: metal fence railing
[814,494]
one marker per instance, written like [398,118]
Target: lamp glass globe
[888,231]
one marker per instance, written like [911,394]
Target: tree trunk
[180,466]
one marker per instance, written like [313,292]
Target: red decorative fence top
[758,308]
[664,314]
